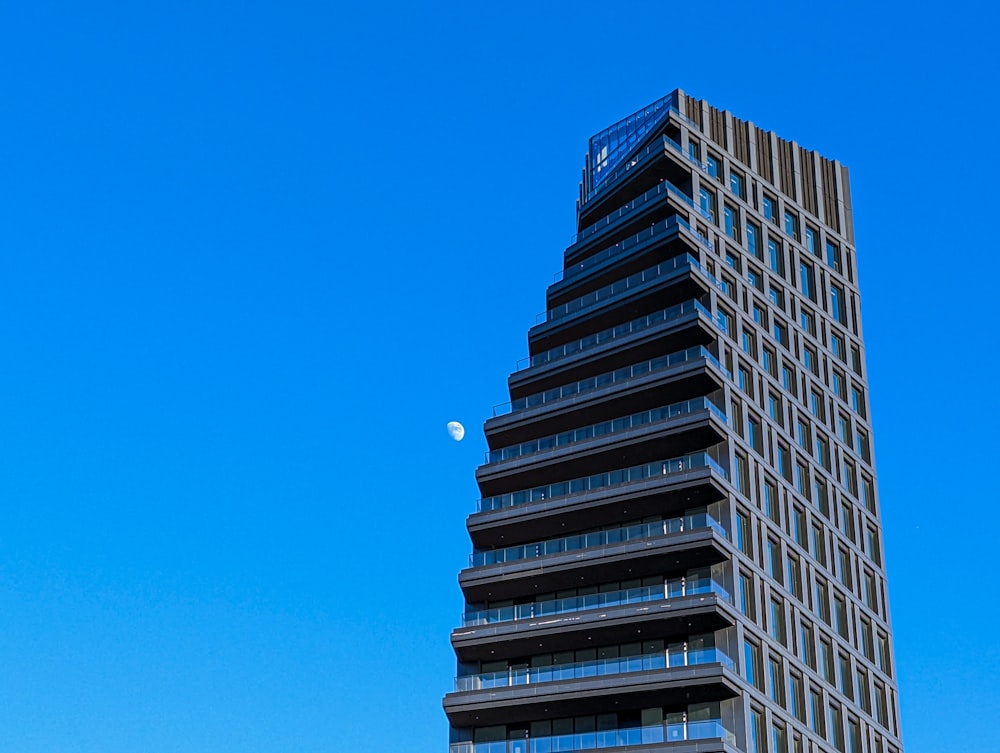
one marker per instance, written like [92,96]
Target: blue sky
[255,256]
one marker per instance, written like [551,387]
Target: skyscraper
[678,545]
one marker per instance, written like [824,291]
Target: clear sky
[255,255]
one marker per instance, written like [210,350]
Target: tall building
[678,545]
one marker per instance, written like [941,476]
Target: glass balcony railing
[624,246]
[666,732]
[615,426]
[661,189]
[671,589]
[690,522]
[608,378]
[618,477]
[595,668]
[621,330]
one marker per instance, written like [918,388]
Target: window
[871,537]
[826,660]
[844,566]
[864,693]
[743,533]
[802,435]
[837,304]
[850,478]
[868,500]
[776,257]
[749,344]
[707,202]
[822,451]
[866,641]
[837,382]
[788,380]
[770,362]
[856,359]
[807,649]
[774,408]
[836,727]
[853,736]
[777,619]
[858,401]
[840,616]
[816,712]
[730,216]
[768,207]
[746,596]
[779,740]
[816,544]
[753,277]
[755,437]
[753,236]
[811,244]
[796,697]
[784,463]
[816,405]
[732,261]
[846,520]
[694,151]
[843,428]
[794,576]
[743,378]
[808,322]
[736,183]
[799,525]
[725,320]
[837,345]
[712,163]
[845,681]
[862,446]
[833,255]
[822,601]
[791,225]
[802,479]
[771,506]
[757,742]
[781,332]
[741,476]
[753,668]
[810,360]
[807,280]
[773,562]
[777,297]
[776,681]
[759,315]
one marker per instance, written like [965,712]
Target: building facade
[678,545]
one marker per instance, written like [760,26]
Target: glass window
[791,225]
[794,576]
[769,208]
[753,668]
[777,619]
[816,712]
[796,697]
[694,151]
[746,596]
[807,649]
[808,322]
[777,297]
[833,255]
[807,280]
[755,437]
[736,183]
[770,362]
[706,199]
[776,257]
[712,163]
[757,742]
[776,681]
[753,277]
[743,533]
[742,478]
[781,332]
[759,316]
[836,727]
[730,216]
[753,237]
[811,244]
[837,304]
[774,407]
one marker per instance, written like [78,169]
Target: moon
[456,431]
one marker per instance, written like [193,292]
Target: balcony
[605,428]
[668,314]
[670,658]
[646,471]
[667,733]
[632,208]
[665,270]
[584,386]
[673,588]
[642,531]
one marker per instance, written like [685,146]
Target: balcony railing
[679,657]
[611,377]
[621,330]
[667,732]
[615,426]
[662,188]
[618,477]
[671,589]
[624,246]
[691,522]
